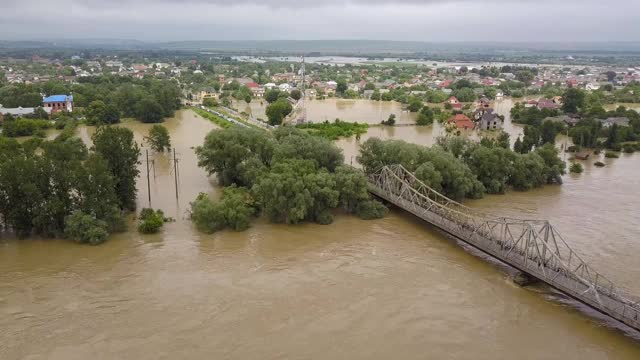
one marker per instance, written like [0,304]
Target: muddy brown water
[391,288]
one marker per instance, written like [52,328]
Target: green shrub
[40,134]
[599,164]
[25,127]
[234,210]
[576,168]
[210,102]
[150,221]
[616,147]
[371,209]
[628,148]
[611,154]
[84,228]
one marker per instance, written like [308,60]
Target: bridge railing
[533,246]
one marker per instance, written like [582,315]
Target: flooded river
[390,288]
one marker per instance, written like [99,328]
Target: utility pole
[148,181]
[566,144]
[175,171]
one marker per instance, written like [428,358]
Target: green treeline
[148,100]
[287,175]
[106,98]
[587,132]
[460,168]
[61,188]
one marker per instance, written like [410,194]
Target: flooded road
[390,288]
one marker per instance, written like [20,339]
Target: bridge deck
[531,246]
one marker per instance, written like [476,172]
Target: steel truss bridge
[533,247]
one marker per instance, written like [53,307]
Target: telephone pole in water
[148,181]
[175,171]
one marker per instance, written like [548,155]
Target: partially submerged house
[486,119]
[461,121]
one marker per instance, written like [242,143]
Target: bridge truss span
[534,247]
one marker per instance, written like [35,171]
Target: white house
[592,86]
[284,87]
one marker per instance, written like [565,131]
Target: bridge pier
[523,279]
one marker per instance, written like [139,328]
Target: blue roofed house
[58,103]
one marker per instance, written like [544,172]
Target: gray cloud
[425,20]
[287,3]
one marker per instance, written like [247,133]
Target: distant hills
[335,47]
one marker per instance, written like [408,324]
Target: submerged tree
[234,210]
[121,152]
[277,111]
[85,228]
[290,175]
[158,138]
[150,221]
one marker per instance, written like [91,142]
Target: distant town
[458,94]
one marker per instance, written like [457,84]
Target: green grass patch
[334,130]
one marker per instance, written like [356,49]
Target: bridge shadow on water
[537,287]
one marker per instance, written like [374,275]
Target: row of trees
[588,132]
[24,126]
[106,98]
[460,168]
[288,175]
[62,188]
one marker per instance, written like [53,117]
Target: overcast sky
[420,20]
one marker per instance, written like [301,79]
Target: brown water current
[384,289]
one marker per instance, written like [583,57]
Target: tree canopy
[289,175]
[158,138]
[58,188]
[278,110]
[117,146]
[461,168]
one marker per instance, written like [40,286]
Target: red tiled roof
[462,121]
